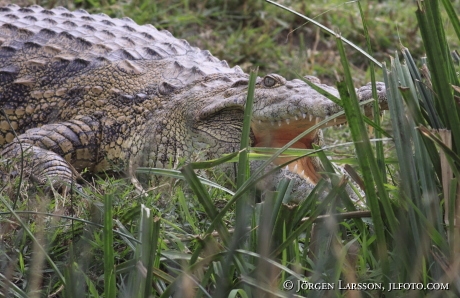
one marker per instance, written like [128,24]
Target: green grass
[199,239]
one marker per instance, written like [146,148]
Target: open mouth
[278,134]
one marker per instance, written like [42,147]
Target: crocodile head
[282,110]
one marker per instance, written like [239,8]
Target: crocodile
[85,91]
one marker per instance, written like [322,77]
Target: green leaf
[110,288]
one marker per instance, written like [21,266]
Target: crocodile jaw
[279,134]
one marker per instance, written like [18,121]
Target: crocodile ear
[166,88]
[223,104]
[242,82]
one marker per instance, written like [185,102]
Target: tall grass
[243,249]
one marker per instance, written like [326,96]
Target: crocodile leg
[56,152]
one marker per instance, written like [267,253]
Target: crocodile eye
[269,81]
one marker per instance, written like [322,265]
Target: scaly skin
[87,91]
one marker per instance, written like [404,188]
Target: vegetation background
[256,33]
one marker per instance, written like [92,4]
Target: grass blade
[368,165]
[326,29]
[109,255]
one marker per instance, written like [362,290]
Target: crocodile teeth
[286,168]
[287,121]
[318,119]
[304,115]
[335,120]
[296,118]
[310,118]
[260,122]
[279,123]
[302,173]
[295,168]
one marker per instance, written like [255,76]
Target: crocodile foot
[42,167]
